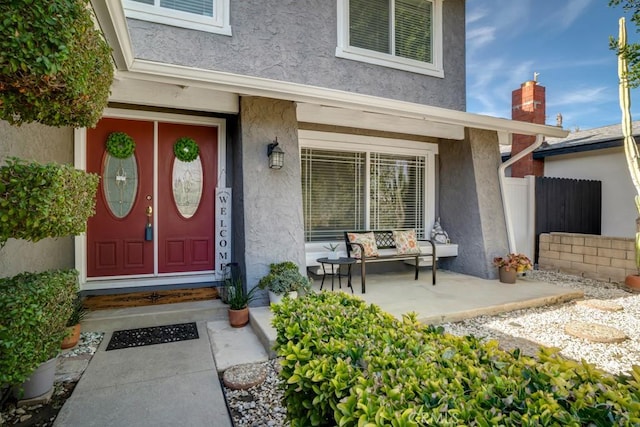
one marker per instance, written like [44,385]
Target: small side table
[335,265]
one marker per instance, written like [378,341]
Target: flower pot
[277,298]
[333,255]
[632,282]
[40,381]
[72,338]
[239,318]
[507,276]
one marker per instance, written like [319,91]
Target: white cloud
[564,17]
[584,96]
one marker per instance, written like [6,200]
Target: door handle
[148,230]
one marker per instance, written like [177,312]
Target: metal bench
[387,252]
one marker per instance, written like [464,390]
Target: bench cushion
[406,242]
[367,240]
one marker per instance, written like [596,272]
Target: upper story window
[204,15]
[403,34]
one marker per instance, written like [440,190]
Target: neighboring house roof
[585,140]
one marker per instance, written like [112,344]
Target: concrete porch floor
[455,296]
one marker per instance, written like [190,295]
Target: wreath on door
[186,149]
[120,145]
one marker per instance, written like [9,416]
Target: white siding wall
[520,206]
[609,166]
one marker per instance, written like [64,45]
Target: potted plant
[284,278]
[510,265]
[238,300]
[73,324]
[333,250]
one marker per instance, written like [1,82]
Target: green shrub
[55,67]
[34,309]
[38,201]
[350,364]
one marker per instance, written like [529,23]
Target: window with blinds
[396,27]
[333,184]
[397,192]
[338,188]
[204,15]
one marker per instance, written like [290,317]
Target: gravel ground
[526,329]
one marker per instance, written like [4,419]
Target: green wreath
[186,149]
[120,145]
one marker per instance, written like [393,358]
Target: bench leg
[362,275]
[417,266]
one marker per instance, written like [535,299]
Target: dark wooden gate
[567,205]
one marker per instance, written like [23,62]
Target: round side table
[334,266]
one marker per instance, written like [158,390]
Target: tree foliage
[631,51]
[55,67]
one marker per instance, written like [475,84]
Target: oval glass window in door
[187,186]
[120,183]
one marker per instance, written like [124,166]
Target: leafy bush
[347,363]
[38,201]
[284,277]
[34,309]
[55,67]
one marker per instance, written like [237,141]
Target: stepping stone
[599,304]
[242,377]
[594,332]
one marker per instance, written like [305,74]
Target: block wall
[610,259]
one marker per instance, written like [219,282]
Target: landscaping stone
[594,332]
[599,304]
[242,377]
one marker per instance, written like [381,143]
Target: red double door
[154,213]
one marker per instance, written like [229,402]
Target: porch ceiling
[111,19]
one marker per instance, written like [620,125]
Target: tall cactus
[630,147]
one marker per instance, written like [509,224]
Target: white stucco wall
[610,167]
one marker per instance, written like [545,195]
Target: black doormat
[154,335]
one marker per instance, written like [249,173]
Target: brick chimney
[528,104]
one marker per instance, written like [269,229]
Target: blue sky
[566,41]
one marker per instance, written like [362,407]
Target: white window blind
[333,193]
[397,192]
[198,7]
[397,27]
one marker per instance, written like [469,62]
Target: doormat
[153,335]
[141,299]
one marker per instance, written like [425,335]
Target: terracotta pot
[72,338]
[632,282]
[507,276]
[239,318]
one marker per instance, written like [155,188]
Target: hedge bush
[55,67]
[38,201]
[34,308]
[350,364]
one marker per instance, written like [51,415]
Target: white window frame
[345,50]
[218,24]
[368,144]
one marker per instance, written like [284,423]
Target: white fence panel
[520,203]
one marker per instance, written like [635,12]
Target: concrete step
[260,320]
[156,315]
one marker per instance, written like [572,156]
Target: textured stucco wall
[43,144]
[272,199]
[295,40]
[471,204]
[610,167]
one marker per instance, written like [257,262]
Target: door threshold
[149,297]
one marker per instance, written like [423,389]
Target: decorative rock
[242,377]
[594,332]
[599,304]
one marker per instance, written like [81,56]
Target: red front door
[180,196]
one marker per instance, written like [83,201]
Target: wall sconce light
[276,155]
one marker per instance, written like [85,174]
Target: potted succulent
[284,278]
[73,324]
[510,265]
[333,251]
[238,300]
